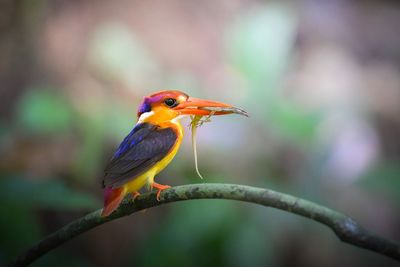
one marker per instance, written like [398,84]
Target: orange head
[168,105]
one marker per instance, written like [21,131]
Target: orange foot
[135,195]
[160,188]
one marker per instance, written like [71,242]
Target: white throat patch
[145,115]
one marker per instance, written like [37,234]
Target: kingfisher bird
[153,143]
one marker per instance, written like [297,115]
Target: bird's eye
[170,102]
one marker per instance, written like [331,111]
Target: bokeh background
[321,80]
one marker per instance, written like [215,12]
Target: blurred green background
[321,80]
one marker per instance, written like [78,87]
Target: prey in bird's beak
[196,106]
[199,108]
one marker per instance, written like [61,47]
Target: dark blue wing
[145,145]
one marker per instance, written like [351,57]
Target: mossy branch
[344,227]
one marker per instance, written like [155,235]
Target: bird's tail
[112,199]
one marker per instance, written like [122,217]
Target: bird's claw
[159,187]
[135,195]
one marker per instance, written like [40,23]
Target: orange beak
[196,106]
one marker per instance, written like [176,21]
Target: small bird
[153,143]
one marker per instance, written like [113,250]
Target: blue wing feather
[135,136]
[141,149]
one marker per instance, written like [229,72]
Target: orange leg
[159,187]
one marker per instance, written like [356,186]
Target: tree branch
[343,226]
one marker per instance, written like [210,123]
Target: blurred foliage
[205,237]
[20,198]
[43,111]
[383,179]
[119,55]
[18,229]
[260,47]
[49,194]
